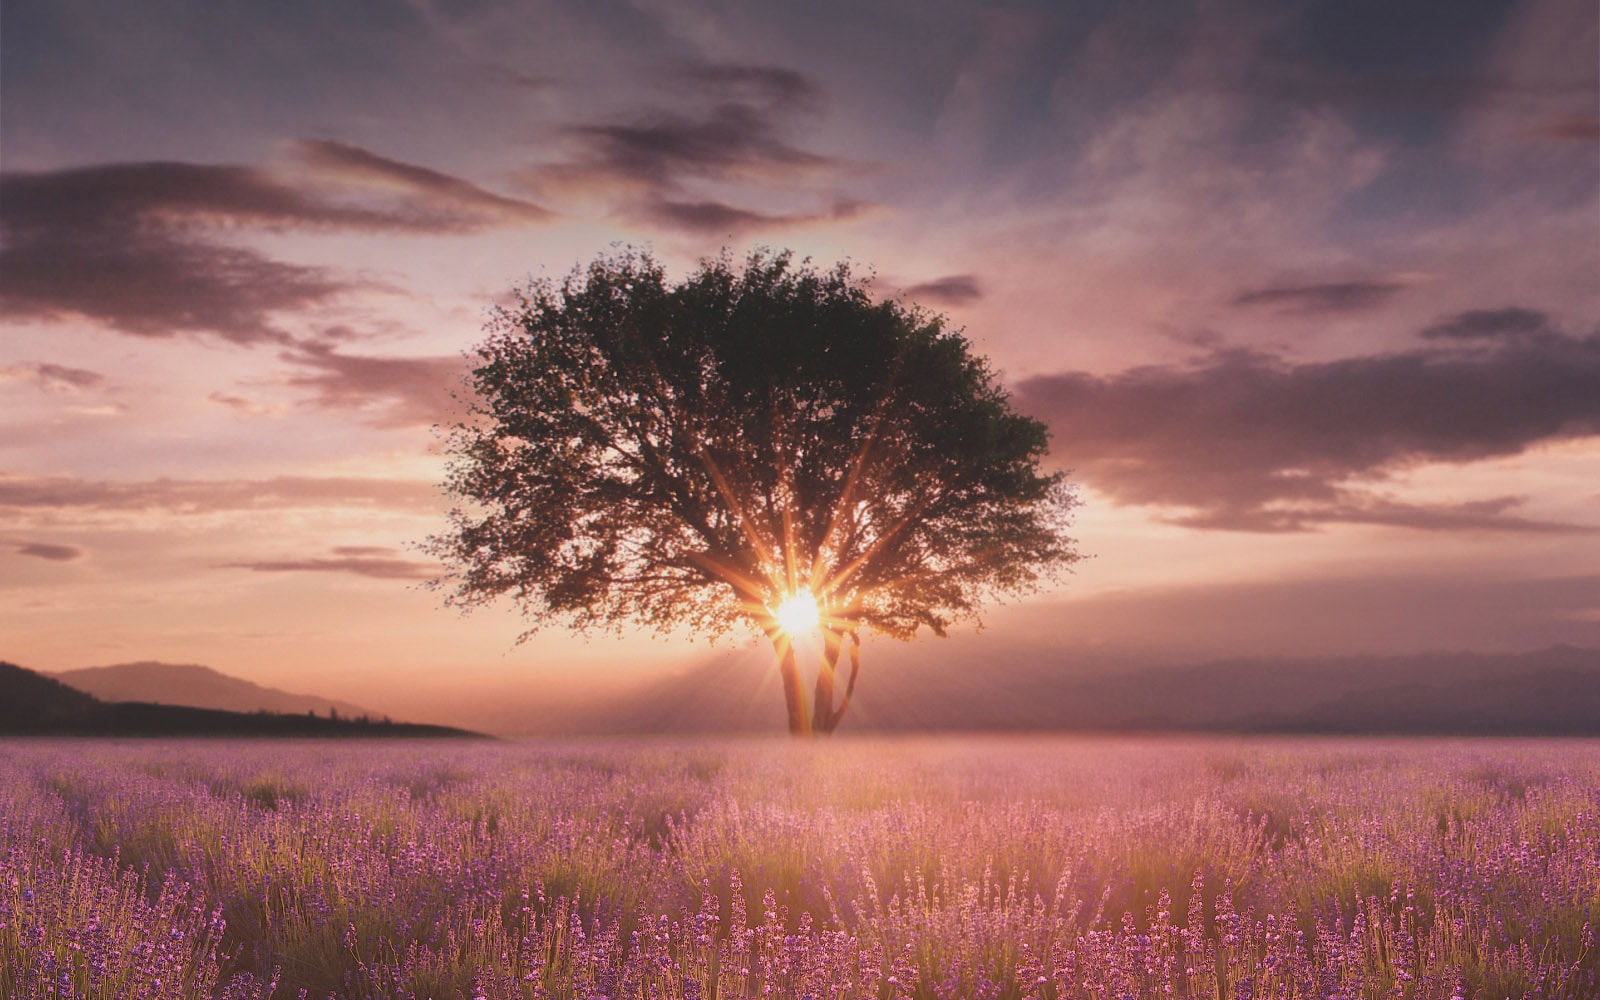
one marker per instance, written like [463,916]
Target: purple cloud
[951,290]
[1254,443]
[1342,296]
[393,392]
[1483,324]
[22,494]
[49,550]
[54,378]
[655,167]
[133,245]
[359,560]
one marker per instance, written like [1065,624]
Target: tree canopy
[707,452]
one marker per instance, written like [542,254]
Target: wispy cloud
[53,377]
[358,560]
[951,290]
[386,391]
[713,217]
[424,199]
[241,404]
[1487,324]
[1343,296]
[1247,441]
[30,494]
[665,167]
[48,550]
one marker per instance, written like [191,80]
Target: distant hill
[35,705]
[198,687]
[1554,691]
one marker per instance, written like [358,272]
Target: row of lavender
[1048,868]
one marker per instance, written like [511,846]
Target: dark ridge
[32,704]
[30,701]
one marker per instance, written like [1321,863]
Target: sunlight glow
[799,614]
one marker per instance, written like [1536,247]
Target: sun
[798,614]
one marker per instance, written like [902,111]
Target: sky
[1306,292]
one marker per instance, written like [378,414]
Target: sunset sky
[1308,293]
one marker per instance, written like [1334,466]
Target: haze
[1307,294]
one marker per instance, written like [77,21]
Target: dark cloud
[714,217]
[54,378]
[1250,442]
[139,246]
[155,284]
[951,290]
[22,494]
[392,392]
[359,560]
[49,550]
[733,142]
[1341,296]
[1483,324]
[662,167]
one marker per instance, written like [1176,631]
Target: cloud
[1250,442]
[670,168]
[1342,296]
[1495,514]
[951,290]
[22,494]
[48,550]
[53,378]
[391,392]
[427,199]
[153,284]
[664,150]
[1582,128]
[1481,324]
[713,217]
[240,404]
[359,560]
[141,248]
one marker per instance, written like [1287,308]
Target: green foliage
[659,454]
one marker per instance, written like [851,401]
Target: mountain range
[34,704]
[1553,691]
[196,686]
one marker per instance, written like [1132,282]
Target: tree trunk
[794,692]
[823,717]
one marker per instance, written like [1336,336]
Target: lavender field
[981,868]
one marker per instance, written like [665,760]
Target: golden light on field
[798,614]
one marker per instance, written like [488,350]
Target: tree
[765,445]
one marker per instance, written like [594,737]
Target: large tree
[762,445]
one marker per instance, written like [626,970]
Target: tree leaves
[655,454]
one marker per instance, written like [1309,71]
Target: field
[981,868]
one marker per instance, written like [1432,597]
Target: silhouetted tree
[736,447]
